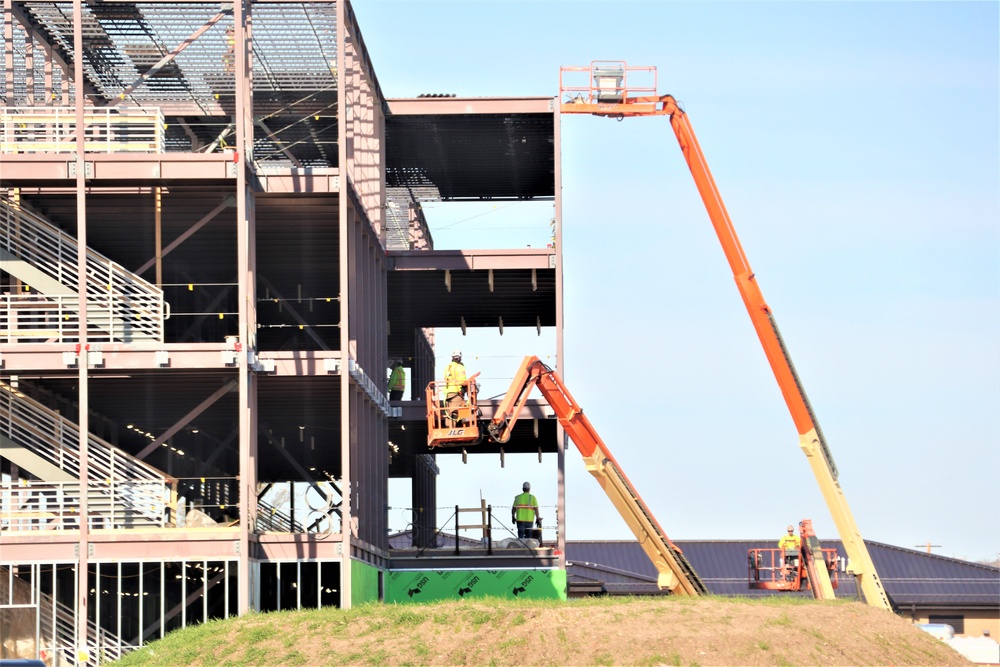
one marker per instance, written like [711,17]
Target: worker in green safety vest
[397,381]
[524,512]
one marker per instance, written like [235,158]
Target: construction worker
[454,383]
[790,543]
[397,381]
[524,512]
[229,57]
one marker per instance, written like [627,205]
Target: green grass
[497,631]
[782,621]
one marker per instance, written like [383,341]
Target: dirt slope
[621,631]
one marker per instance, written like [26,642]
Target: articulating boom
[608,94]
[675,573]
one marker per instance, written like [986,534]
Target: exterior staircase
[122,491]
[121,306]
[53,638]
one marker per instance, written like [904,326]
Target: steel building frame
[240,170]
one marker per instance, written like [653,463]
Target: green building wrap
[364,583]
[433,585]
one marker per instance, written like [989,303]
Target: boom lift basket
[605,82]
[452,426]
[772,569]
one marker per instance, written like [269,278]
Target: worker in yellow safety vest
[454,383]
[524,512]
[790,543]
[397,381]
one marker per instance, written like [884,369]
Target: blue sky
[857,148]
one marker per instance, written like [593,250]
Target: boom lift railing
[601,101]
[809,566]
[452,425]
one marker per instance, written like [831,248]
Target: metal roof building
[925,587]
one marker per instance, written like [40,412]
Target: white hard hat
[526,486]
[456,353]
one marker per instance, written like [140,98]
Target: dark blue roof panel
[909,577]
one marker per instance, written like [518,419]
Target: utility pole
[929,546]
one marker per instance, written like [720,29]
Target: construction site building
[212,244]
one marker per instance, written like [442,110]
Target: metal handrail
[55,439]
[122,307]
[106,130]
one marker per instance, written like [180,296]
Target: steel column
[345,336]
[247,290]
[560,358]
[83,390]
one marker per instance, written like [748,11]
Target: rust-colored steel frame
[363,307]
[355,177]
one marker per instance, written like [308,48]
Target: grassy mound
[592,631]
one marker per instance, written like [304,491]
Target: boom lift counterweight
[609,94]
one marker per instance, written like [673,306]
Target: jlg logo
[457,431]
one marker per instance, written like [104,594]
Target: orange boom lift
[810,567]
[606,91]
[674,571]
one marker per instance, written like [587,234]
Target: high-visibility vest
[397,380]
[523,507]
[454,378]
[789,542]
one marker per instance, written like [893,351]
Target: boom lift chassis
[609,94]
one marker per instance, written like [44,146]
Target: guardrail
[106,130]
[55,439]
[34,505]
[121,306]
[41,318]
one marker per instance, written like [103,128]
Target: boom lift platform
[454,425]
[675,573]
[607,91]
[810,567]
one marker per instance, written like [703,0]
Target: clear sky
[857,147]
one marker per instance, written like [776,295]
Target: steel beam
[227,202]
[300,181]
[299,546]
[439,106]
[471,260]
[170,56]
[187,419]
[135,168]
[48,358]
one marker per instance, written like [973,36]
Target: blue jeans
[525,529]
